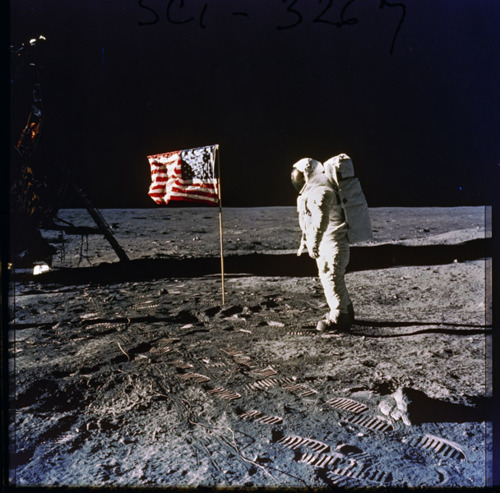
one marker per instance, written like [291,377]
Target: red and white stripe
[167,183]
[160,165]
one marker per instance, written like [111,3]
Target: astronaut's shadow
[432,328]
[425,409]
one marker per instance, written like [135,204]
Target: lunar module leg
[101,224]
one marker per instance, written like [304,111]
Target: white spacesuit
[324,235]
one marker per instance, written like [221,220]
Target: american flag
[187,175]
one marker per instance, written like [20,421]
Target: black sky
[408,88]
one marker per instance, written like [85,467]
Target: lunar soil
[138,374]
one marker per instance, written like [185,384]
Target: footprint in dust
[233,310]
[130,354]
[186,317]
[211,312]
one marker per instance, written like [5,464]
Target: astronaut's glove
[302,246]
[314,253]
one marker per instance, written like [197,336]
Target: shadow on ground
[424,409]
[362,258]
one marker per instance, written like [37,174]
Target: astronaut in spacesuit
[324,236]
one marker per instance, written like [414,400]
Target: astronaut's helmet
[303,169]
[298,179]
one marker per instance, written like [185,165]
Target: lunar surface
[160,372]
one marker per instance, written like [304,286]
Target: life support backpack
[340,171]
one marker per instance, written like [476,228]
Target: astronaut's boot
[342,324]
[325,325]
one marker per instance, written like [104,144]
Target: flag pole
[220,226]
